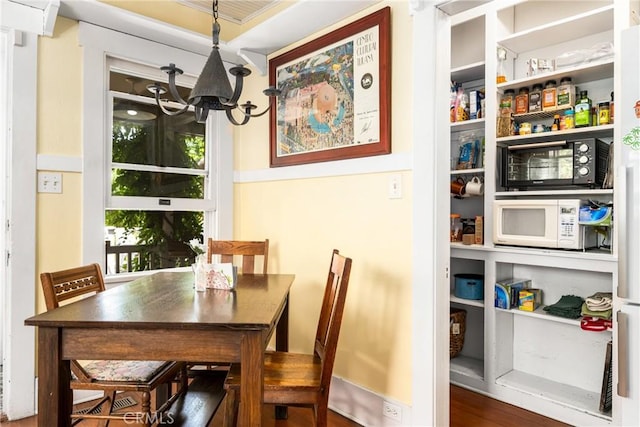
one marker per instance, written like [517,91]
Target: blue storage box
[469,286]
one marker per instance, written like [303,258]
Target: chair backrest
[335,294]
[66,284]
[247,249]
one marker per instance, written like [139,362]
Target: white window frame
[102,48]
[207,204]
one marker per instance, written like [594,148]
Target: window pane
[143,135]
[152,155]
[150,240]
[156,184]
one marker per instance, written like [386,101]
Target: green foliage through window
[161,236]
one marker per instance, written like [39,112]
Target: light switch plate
[49,182]
[395,186]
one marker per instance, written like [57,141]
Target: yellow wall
[59,216]
[304,218]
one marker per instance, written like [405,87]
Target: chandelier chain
[213,91]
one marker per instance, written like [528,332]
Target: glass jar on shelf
[455,232]
[565,93]
[535,98]
[522,101]
[501,73]
[549,96]
[569,122]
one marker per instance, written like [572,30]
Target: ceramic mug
[474,187]
[458,186]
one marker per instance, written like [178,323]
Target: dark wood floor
[467,409]
[473,409]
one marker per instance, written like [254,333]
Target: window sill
[119,279]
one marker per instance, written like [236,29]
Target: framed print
[335,100]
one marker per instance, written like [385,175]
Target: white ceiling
[238,11]
[302,18]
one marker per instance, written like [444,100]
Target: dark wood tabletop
[168,300]
[162,317]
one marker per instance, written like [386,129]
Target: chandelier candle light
[213,88]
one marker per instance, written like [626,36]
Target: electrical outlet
[392,411]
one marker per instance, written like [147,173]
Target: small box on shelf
[479,239]
[529,299]
[507,292]
[476,101]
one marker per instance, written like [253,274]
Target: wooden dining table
[162,317]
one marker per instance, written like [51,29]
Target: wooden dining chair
[248,250]
[294,379]
[111,376]
[228,250]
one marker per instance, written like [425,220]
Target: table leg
[252,379]
[282,344]
[55,398]
[282,329]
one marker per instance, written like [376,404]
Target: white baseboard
[81,396]
[364,406]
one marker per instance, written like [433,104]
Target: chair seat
[122,370]
[284,370]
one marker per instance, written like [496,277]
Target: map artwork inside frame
[331,100]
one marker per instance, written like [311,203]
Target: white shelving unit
[468,69]
[535,360]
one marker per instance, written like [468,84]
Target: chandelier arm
[169,112]
[271,102]
[201,114]
[237,91]
[249,106]
[232,119]
[174,90]
[262,113]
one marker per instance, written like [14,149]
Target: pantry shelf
[583,73]
[574,27]
[539,313]
[475,124]
[557,258]
[463,301]
[467,366]
[467,171]
[468,72]
[462,251]
[603,131]
[578,191]
[582,400]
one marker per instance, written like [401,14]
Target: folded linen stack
[599,305]
[568,306]
[597,311]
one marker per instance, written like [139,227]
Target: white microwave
[538,223]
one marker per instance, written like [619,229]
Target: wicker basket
[457,317]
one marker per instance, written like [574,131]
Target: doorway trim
[19,207]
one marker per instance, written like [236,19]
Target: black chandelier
[213,88]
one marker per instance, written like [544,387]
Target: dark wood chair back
[302,379]
[248,250]
[67,284]
[335,295]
